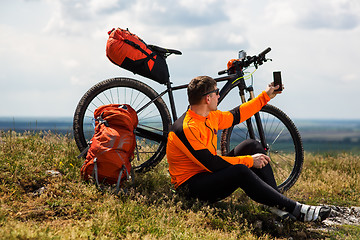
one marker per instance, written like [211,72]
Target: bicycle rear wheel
[154,119]
[283,143]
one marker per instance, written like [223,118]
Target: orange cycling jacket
[192,141]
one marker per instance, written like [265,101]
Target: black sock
[296,212]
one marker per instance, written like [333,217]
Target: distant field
[20,124]
[317,135]
[330,135]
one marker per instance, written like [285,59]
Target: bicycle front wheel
[154,118]
[284,145]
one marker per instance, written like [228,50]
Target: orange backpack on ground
[112,146]
[130,52]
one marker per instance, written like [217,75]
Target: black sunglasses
[217,91]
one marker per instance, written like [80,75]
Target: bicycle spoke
[151,117]
[106,96]
[277,136]
[118,96]
[112,99]
[93,104]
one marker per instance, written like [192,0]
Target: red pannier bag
[130,52]
[112,146]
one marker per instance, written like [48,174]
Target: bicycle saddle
[164,50]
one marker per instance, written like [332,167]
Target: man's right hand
[270,90]
[260,160]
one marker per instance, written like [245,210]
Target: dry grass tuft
[329,179]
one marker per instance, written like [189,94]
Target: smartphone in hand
[277,81]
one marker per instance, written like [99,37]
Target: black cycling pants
[258,184]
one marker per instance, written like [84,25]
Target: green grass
[69,208]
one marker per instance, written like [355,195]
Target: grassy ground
[37,205]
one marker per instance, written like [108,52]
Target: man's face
[214,98]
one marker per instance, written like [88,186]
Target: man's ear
[207,99]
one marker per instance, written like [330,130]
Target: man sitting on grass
[198,172]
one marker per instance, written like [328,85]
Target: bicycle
[272,127]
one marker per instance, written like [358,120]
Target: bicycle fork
[258,122]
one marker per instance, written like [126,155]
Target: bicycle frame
[233,80]
[223,92]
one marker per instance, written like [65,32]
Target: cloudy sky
[52,51]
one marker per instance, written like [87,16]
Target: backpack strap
[119,179]
[137,46]
[95,173]
[128,177]
[138,158]
[83,153]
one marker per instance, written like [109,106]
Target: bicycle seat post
[171,99]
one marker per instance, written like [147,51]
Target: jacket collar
[196,116]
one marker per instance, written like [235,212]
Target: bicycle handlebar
[222,72]
[256,59]
[263,53]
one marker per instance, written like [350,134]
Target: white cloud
[280,13]
[71,63]
[62,53]
[319,14]
[350,78]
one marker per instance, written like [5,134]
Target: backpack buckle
[100,120]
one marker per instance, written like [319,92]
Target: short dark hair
[198,87]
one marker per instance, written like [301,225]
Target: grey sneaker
[313,213]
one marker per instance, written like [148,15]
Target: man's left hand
[260,160]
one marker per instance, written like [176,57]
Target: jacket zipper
[212,135]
